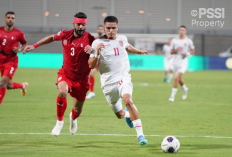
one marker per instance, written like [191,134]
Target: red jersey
[75,60]
[9,40]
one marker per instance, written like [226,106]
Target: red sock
[2,94]
[75,115]
[17,85]
[61,107]
[91,82]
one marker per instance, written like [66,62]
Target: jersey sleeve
[126,42]
[59,35]
[94,46]
[22,39]
[172,44]
[163,49]
[191,45]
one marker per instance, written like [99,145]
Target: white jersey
[167,51]
[113,61]
[185,44]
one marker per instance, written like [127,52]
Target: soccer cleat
[90,95]
[129,121]
[24,91]
[56,130]
[142,140]
[165,79]
[73,125]
[171,99]
[184,96]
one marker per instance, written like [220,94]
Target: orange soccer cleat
[24,91]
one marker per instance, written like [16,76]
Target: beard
[111,38]
[10,25]
[79,32]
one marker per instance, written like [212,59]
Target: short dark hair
[80,15]
[99,26]
[183,26]
[9,12]
[111,19]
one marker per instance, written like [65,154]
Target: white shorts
[114,92]
[180,68]
[168,64]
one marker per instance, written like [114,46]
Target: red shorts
[77,89]
[8,69]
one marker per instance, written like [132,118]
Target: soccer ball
[170,144]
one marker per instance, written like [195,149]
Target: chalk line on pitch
[110,135]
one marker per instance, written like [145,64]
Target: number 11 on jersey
[116,51]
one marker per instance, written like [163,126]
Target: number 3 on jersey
[73,51]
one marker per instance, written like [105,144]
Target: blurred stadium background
[147,23]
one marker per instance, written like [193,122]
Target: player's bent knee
[3,84]
[129,104]
[177,78]
[120,114]
[9,86]
[63,93]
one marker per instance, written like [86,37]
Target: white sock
[165,75]
[23,85]
[184,87]
[170,76]
[60,122]
[138,127]
[174,90]
[127,115]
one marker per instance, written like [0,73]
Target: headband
[79,20]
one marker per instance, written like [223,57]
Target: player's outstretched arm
[93,61]
[131,49]
[43,41]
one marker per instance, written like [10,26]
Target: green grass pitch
[206,112]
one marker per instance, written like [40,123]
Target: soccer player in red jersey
[74,75]
[100,32]
[9,46]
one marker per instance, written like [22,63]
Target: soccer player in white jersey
[181,48]
[110,53]
[168,62]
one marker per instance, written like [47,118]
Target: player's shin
[18,85]
[91,81]
[75,115]
[184,87]
[170,77]
[2,94]
[138,127]
[174,90]
[61,107]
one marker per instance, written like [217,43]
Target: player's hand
[16,50]
[142,52]
[28,48]
[178,49]
[99,48]
[88,49]
[186,54]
